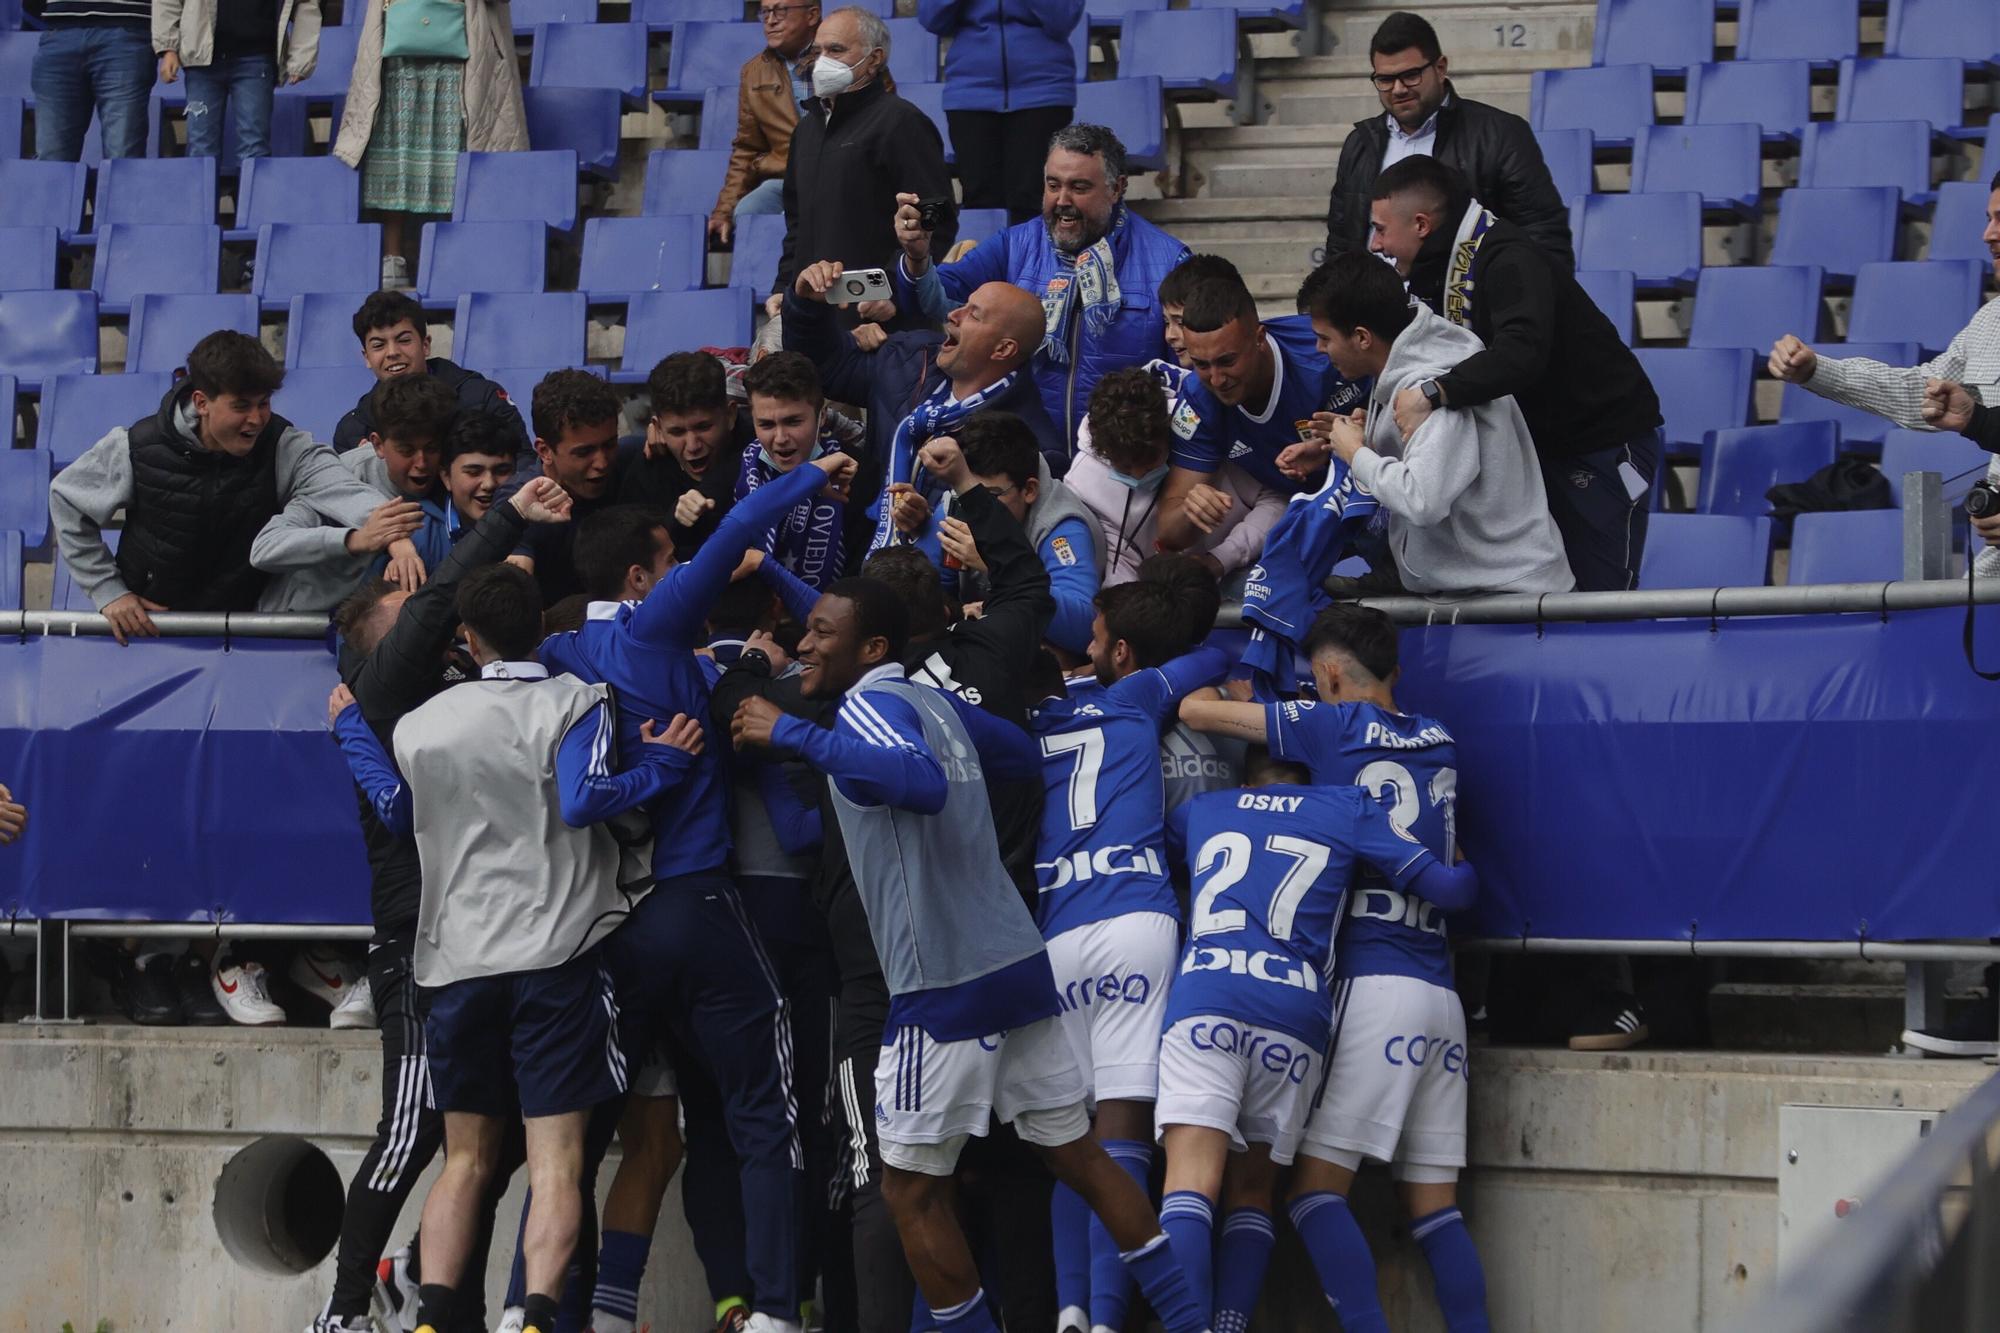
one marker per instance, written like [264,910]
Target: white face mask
[830,78]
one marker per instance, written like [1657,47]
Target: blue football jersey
[1207,434]
[1269,870]
[1410,763]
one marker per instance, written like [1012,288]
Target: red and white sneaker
[323,974]
[244,992]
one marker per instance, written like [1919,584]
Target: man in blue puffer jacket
[1009,83]
[1095,265]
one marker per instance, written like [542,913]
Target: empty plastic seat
[316,398]
[718,117]
[1612,290]
[658,324]
[517,187]
[913,52]
[28,260]
[1754,307]
[64,594]
[9,408]
[43,194]
[1654,237]
[298,257]
[1614,102]
[1702,390]
[1741,465]
[10,571]
[1942,28]
[591,55]
[1858,429]
[1568,154]
[662,15]
[1837,229]
[335,68]
[1862,546]
[10,127]
[461,257]
[151,191]
[1821,31]
[17,61]
[133,260]
[294,189]
[582,120]
[683,180]
[1930,90]
[79,410]
[164,326]
[1109,15]
[760,245]
[929,99]
[519,329]
[707,55]
[1705,551]
[1926,304]
[980,224]
[1191,50]
[625,256]
[46,333]
[1721,163]
[1670,35]
[24,494]
[1135,109]
[1869,152]
[531,14]
[319,331]
[1776,94]
[1957,460]
[1958,224]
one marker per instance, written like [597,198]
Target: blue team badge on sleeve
[1062,549]
[1185,420]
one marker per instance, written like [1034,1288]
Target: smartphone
[858,285]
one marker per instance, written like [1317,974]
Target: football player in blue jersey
[1106,907]
[1249,1015]
[1396,1089]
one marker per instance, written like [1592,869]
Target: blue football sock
[1188,1218]
[1069,1221]
[1247,1240]
[969,1317]
[1340,1256]
[1110,1283]
[621,1266]
[1156,1266]
[1455,1270]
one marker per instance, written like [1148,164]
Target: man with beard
[1092,262]
[693,439]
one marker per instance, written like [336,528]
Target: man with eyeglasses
[1493,149]
[773,84]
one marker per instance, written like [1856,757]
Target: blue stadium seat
[1776,94]
[64,595]
[316,398]
[43,194]
[1942,28]
[1754,307]
[913,52]
[28,258]
[1957,460]
[319,332]
[10,127]
[461,257]
[17,62]
[760,244]
[658,324]
[517,187]
[1705,551]
[583,121]
[718,118]
[528,15]
[335,70]
[1739,466]
[10,394]
[1859,430]
[1079,49]
[1655,237]
[1702,390]
[981,224]
[683,180]
[591,55]
[10,571]
[704,56]
[1926,304]
[1959,221]
[153,191]
[1930,90]
[1822,31]
[1721,163]
[24,494]
[294,189]
[519,329]
[178,258]
[1863,546]
[1192,51]
[1135,109]
[1109,15]
[1837,229]
[1271,16]
[165,325]
[46,333]
[1569,156]
[1612,290]
[929,99]
[662,15]
[625,256]
[298,257]
[80,410]
[1614,102]
[1672,36]
[1870,152]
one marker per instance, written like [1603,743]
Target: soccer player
[1384,1100]
[1248,1020]
[1106,907]
[973,1024]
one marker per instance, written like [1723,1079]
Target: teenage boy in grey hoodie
[1467,511]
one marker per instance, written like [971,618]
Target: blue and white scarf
[936,415]
[808,539]
[1284,590]
[1092,283]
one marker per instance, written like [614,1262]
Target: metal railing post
[1923,997]
[1926,526]
[52,976]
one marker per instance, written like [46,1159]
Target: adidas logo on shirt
[1239,450]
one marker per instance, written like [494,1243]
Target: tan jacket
[187,28]
[495,120]
[766,115]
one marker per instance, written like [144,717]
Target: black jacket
[659,483]
[842,178]
[1984,428]
[472,390]
[1547,344]
[1493,149]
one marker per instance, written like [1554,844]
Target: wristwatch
[1432,394]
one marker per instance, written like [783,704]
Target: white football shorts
[930,1095]
[1252,1083]
[1396,1080]
[1113,977]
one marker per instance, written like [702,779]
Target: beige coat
[187,28]
[495,120]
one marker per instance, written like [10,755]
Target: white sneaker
[395,1297]
[513,1321]
[1073,1319]
[323,973]
[395,272]
[764,1323]
[356,1009]
[240,988]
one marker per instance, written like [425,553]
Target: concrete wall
[1629,1191]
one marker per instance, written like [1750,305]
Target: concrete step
[1226,179]
[1475,31]
[1181,215]
[1317,101]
